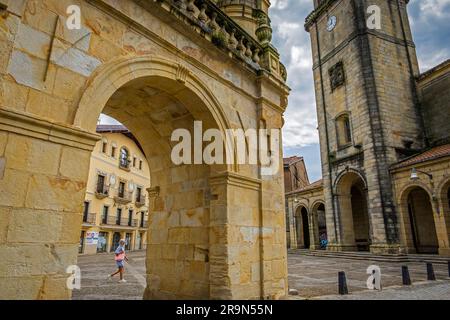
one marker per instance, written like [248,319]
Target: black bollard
[405,276]
[430,272]
[342,283]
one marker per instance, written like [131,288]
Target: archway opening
[305,228]
[360,218]
[421,221]
[322,226]
[176,234]
[353,209]
[302,228]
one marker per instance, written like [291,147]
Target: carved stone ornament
[337,75]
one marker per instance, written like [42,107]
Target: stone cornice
[353,36]
[40,128]
[234,179]
[317,13]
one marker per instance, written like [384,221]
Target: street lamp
[415,176]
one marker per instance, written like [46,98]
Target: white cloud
[434,8]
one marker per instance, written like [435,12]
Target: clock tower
[368,113]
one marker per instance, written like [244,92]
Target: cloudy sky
[430,21]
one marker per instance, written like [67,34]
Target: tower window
[344,130]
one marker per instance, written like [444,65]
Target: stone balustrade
[211,22]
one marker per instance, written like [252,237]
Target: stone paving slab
[318,276]
[437,290]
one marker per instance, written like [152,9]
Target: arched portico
[203,219]
[419,220]
[302,226]
[319,225]
[351,197]
[215,231]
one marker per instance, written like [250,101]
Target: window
[140,164]
[142,219]
[100,184]
[343,130]
[119,216]
[85,211]
[81,245]
[121,189]
[138,194]
[134,162]
[105,214]
[130,217]
[124,160]
[113,151]
[104,146]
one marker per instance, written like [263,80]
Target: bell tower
[368,112]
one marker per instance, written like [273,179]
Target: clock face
[331,23]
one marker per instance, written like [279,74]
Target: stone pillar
[442,222]
[292,226]
[42,188]
[346,240]
[314,231]
[273,220]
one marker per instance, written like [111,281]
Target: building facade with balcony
[116,202]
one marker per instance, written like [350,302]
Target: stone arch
[318,221]
[152,97]
[111,76]
[352,205]
[302,219]
[344,173]
[417,213]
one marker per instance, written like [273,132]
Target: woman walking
[120,257]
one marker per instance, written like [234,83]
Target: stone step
[374,257]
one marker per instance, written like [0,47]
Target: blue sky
[430,22]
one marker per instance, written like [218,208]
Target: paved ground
[95,285]
[318,276]
[313,277]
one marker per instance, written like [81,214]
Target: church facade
[384,134]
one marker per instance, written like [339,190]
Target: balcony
[123,197]
[89,218]
[126,222]
[124,164]
[102,192]
[140,201]
[110,220]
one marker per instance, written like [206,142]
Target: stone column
[442,221]
[273,222]
[292,228]
[42,188]
[314,231]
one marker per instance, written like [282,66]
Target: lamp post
[415,176]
